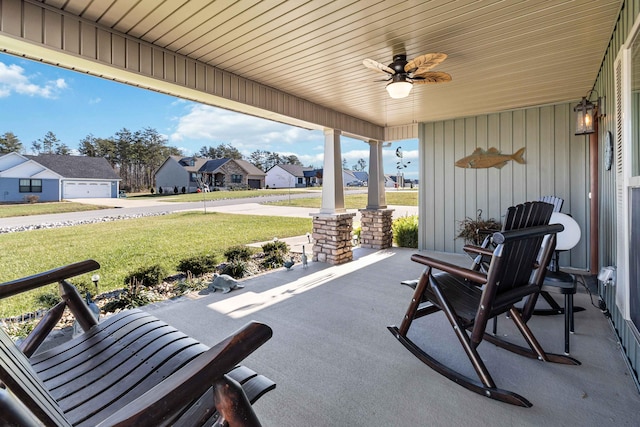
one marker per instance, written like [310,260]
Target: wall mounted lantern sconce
[587,113]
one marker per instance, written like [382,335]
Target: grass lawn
[26,209]
[354,201]
[122,247]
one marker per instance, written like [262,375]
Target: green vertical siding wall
[556,164]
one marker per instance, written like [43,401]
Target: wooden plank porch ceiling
[502,54]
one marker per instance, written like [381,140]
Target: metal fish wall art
[491,158]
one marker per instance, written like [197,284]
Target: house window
[236,179]
[31,186]
[300,180]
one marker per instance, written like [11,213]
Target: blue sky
[36,98]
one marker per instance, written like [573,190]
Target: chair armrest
[477,250]
[160,404]
[456,270]
[24,284]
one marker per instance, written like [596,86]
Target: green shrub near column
[405,231]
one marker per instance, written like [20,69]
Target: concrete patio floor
[336,364]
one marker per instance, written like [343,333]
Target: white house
[53,177]
[192,173]
[289,176]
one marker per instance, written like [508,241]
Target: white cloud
[93,101]
[204,125]
[14,80]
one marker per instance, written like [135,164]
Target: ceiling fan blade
[424,62]
[432,77]
[377,66]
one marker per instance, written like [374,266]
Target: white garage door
[86,189]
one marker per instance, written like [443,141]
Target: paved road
[133,206]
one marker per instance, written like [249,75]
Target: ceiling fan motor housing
[399,61]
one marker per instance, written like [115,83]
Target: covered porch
[518,70]
[335,362]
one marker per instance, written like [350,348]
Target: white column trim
[376,190]
[332,182]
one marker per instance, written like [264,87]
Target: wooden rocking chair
[130,369]
[470,298]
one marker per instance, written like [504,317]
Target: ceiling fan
[402,75]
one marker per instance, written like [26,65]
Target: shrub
[237,253]
[147,276]
[183,190]
[355,234]
[405,231]
[48,299]
[31,198]
[175,189]
[152,190]
[274,253]
[159,190]
[236,269]
[198,265]
[191,284]
[132,297]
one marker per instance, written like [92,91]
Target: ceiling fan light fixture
[399,87]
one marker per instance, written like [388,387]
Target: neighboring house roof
[76,166]
[361,175]
[186,162]
[211,165]
[295,170]
[250,168]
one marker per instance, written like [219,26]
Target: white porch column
[332,183]
[376,196]
[376,219]
[332,226]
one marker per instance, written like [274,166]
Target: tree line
[136,155]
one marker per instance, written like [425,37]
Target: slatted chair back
[557,202]
[529,214]
[16,373]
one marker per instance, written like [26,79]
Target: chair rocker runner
[130,369]
[469,298]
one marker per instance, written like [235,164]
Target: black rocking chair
[470,298]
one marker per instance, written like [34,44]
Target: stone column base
[376,228]
[332,238]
